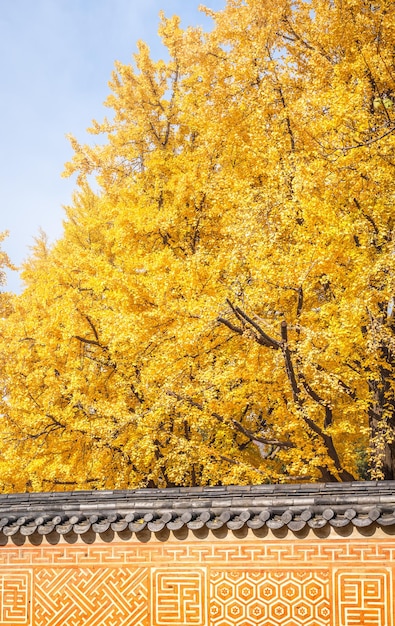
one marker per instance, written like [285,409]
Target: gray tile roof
[295,506]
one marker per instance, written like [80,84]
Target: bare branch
[367,217]
[314,396]
[289,366]
[239,427]
[327,439]
[299,305]
[231,326]
[266,340]
[89,341]
[92,327]
[369,142]
[236,312]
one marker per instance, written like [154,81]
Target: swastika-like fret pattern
[363,598]
[91,596]
[209,582]
[295,553]
[270,597]
[15,598]
[178,597]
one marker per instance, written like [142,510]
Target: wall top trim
[295,506]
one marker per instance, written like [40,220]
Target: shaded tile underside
[360,504]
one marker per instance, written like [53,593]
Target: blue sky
[56,58]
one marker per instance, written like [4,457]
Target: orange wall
[237,579]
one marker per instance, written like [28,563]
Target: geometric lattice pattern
[290,598]
[363,598]
[178,597]
[94,596]
[15,598]
[211,582]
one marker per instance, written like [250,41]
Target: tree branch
[265,340]
[367,217]
[89,341]
[369,142]
[231,326]
[92,327]
[327,439]
[239,427]
[299,305]
[289,366]
[314,396]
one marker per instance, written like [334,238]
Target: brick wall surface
[240,578]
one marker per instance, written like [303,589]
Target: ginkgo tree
[5,308]
[4,260]
[220,307]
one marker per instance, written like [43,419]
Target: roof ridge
[295,506]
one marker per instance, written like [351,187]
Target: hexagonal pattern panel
[275,597]
[328,582]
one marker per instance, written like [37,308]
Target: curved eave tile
[293,507]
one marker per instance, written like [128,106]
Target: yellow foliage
[222,309]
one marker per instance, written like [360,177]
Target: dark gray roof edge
[293,505]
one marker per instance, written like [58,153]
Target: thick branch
[231,326]
[235,311]
[89,341]
[300,301]
[344,475]
[367,217]
[92,327]
[266,340]
[314,396]
[289,366]
[239,427]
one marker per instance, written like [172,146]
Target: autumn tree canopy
[220,308]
